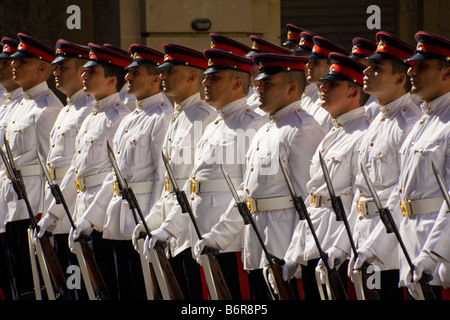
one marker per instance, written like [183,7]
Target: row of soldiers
[382,107]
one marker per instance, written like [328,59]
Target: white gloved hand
[47,223]
[206,241]
[336,257]
[363,256]
[82,226]
[290,269]
[159,234]
[424,263]
[138,230]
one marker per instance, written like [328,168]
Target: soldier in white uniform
[27,131]
[317,68]
[385,79]
[103,76]
[361,49]
[224,141]
[417,199]
[137,147]
[290,133]
[70,58]
[343,98]
[11,98]
[182,75]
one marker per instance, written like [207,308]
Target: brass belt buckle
[115,186]
[167,185]
[195,186]
[251,204]
[406,208]
[52,172]
[363,208]
[316,201]
[78,185]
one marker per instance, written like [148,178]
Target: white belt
[410,208]
[367,208]
[138,187]
[269,204]
[221,185]
[322,201]
[169,187]
[58,173]
[31,170]
[87,182]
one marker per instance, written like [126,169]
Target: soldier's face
[6,73]
[379,78]
[173,79]
[218,87]
[140,83]
[316,69]
[272,91]
[68,77]
[95,82]
[334,97]
[25,71]
[428,80]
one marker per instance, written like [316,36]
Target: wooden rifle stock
[219,281]
[171,281]
[284,289]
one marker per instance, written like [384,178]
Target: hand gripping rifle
[338,208]
[282,287]
[335,282]
[218,281]
[389,223]
[174,290]
[88,264]
[48,252]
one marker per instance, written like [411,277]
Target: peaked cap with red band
[30,47]
[66,49]
[293,35]
[175,55]
[323,47]
[100,54]
[144,55]
[219,60]
[260,45]
[9,47]
[306,42]
[221,42]
[270,64]
[344,68]
[430,46]
[391,47]
[362,48]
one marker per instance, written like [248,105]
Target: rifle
[335,282]
[168,276]
[389,223]
[338,208]
[43,243]
[283,288]
[218,285]
[87,261]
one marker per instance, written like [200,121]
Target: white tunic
[137,147]
[188,123]
[225,141]
[339,150]
[91,155]
[428,141]
[378,152]
[62,144]
[28,130]
[11,101]
[292,134]
[372,108]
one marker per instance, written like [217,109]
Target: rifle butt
[54,268]
[337,287]
[284,289]
[98,284]
[427,291]
[171,281]
[223,293]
